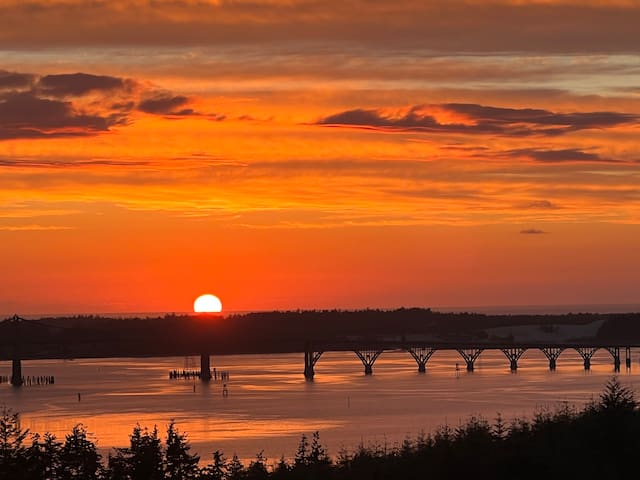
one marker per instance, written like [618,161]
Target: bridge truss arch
[421,355]
[368,357]
[470,355]
[513,354]
[586,353]
[552,354]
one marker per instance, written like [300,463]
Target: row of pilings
[17,379]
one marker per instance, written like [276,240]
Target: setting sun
[207,304]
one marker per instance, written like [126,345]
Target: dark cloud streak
[24,115]
[77,84]
[165,104]
[77,104]
[15,80]
[558,156]
[480,119]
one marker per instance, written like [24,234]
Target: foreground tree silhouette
[257,469]
[217,469]
[180,464]
[235,469]
[45,457]
[616,397]
[13,452]
[281,469]
[79,457]
[142,460]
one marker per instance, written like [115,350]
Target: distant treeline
[268,332]
[600,441]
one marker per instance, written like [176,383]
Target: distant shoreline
[479,309]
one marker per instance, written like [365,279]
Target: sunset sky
[287,154]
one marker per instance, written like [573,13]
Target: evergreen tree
[142,460]
[318,454]
[44,457]
[257,469]
[343,461]
[302,454]
[180,464]
[13,452]
[217,469]
[281,469]
[79,456]
[235,469]
[499,429]
[616,397]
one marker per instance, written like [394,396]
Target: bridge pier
[513,355]
[615,353]
[205,367]
[311,357]
[627,360]
[16,372]
[552,354]
[470,355]
[368,358]
[586,354]
[421,355]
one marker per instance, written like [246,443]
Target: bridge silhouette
[368,351]
[22,340]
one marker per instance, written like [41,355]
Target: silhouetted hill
[277,331]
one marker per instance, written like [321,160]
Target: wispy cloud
[34,227]
[542,205]
[558,155]
[480,119]
[532,231]
[164,103]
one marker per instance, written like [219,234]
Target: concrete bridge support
[421,355]
[586,354]
[470,355]
[552,354]
[513,355]
[311,357]
[16,372]
[615,353]
[368,357]
[205,367]
[627,359]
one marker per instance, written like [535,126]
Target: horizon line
[508,309]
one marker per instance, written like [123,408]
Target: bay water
[266,404]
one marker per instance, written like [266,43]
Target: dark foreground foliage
[599,441]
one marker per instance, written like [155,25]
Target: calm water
[269,404]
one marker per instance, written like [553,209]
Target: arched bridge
[368,352]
